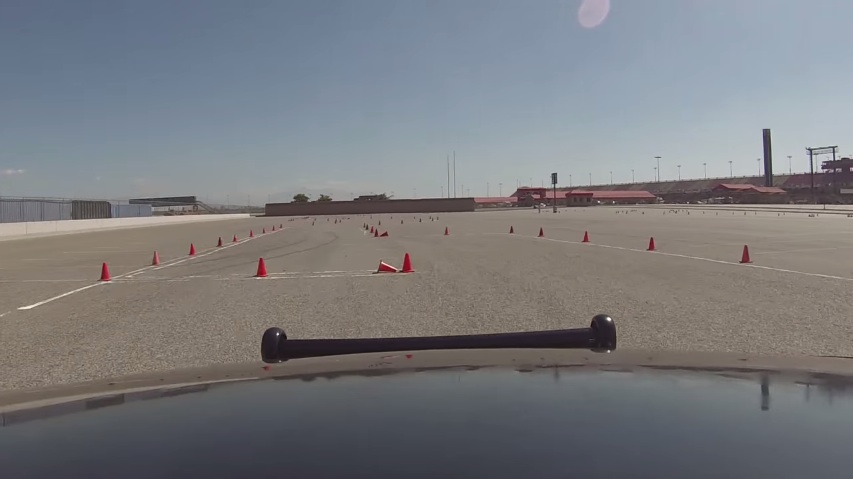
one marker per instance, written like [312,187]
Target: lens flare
[592,13]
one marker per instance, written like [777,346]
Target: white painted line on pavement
[24,308]
[131,273]
[4,314]
[6,281]
[675,255]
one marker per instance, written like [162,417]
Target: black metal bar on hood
[600,336]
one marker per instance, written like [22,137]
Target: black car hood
[446,414]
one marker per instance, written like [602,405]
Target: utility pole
[454,173]
[448,178]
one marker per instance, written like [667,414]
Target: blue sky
[225,99]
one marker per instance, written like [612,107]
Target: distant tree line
[303,198]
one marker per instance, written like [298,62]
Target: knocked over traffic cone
[384,234]
[192,249]
[407,265]
[446,231]
[105,272]
[262,269]
[219,243]
[386,268]
[651,244]
[511,231]
[156,260]
[541,232]
[585,237]
[745,256]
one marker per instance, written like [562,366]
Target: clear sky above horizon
[226,99]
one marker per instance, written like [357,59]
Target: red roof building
[747,188]
[581,197]
[494,200]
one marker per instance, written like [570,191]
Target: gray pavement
[690,295]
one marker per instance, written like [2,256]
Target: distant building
[371,198]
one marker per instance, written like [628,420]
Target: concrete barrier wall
[432,205]
[41,228]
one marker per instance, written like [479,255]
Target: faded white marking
[675,255]
[4,314]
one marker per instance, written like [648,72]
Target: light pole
[731,174]
[657,170]
[705,167]
[679,172]
[590,179]
[632,176]
[656,174]
[790,171]
[570,180]
[759,165]
[611,177]
[501,190]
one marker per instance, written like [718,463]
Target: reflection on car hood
[446,414]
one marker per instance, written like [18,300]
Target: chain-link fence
[16,210]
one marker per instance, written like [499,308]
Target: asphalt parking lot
[59,324]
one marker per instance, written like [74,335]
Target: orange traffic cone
[386,268]
[192,249]
[511,231]
[384,234]
[446,231]
[401,221]
[264,231]
[380,222]
[371,229]
[219,243]
[541,232]
[407,264]
[745,257]
[262,269]
[280,226]
[156,260]
[273,227]
[251,234]
[585,237]
[105,272]
[651,244]
[376,233]
[235,239]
